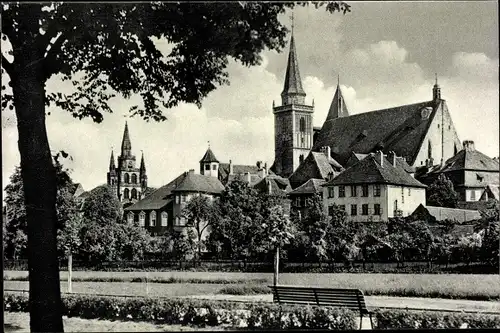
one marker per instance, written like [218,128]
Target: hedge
[250,315]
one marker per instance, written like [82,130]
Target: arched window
[429,150]
[301,158]
[142,219]
[134,193]
[126,193]
[302,124]
[164,219]
[126,179]
[134,178]
[152,219]
[130,217]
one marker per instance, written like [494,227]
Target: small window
[479,177]
[473,195]
[130,217]
[376,209]
[134,193]
[376,190]
[297,202]
[301,158]
[364,189]
[354,192]
[402,195]
[364,209]
[126,193]
[152,219]
[330,210]
[183,198]
[142,219]
[354,210]
[177,221]
[214,167]
[331,192]
[302,141]
[342,208]
[177,199]
[207,167]
[438,125]
[449,127]
[341,191]
[126,178]
[409,192]
[164,219]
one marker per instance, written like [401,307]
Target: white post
[70,264]
[147,284]
[276,265]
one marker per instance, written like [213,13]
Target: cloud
[475,66]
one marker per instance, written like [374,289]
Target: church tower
[338,107]
[293,120]
[127,180]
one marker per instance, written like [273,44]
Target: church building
[127,181]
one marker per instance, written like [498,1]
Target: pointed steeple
[126,145]
[142,168]
[338,107]
[292,93]
[209,157]
[436,91]
[112,166]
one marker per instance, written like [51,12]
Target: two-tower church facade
[127,181]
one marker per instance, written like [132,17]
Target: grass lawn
[20,321]
[459,286]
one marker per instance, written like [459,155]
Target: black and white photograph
[250,165]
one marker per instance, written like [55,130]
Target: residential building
[470,171]
[374,189]
[301,196]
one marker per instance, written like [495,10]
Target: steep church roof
[400,129]
[126,144]
[293,83]
[338,108]
[209,157]
[370,170]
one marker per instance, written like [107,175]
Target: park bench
[343,298]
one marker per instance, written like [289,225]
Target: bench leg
[360,321]
[371,321]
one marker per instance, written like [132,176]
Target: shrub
[397,319]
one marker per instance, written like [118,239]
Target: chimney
[231,171]
[469,145]
[327,151]
[392,157]
[330,176]
[248,177]
[380,158]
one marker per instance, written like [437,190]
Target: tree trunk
[276,266]
[70,272]
[39,182]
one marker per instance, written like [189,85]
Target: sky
[385,53]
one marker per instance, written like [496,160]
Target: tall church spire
[112,166]
[436,91]
[142,168]
[126,145]
[338,107]
[292,93]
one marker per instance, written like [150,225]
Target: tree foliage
[441,193]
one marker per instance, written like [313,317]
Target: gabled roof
[274,184]
[237,169]
[199,183]
[370,171]
[400,129]
[451,214]
[312,186]
[315,165]
[491,192]
[254,178]
[209,157]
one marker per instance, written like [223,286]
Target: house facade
[373,190]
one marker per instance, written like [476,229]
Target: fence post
[70,268]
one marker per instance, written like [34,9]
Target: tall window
[331,192]
[134,193]
[152,219]
[330,210]
[409,191]
[183,198]
[126,193]
[402,195]
[354,210]
[126,178]
[177,199]
[301,158]
[395,205]
[473,195]
[364,190]
[376,190]
[429,150]
[207,167]
[376,209]
[134,178]
[341,191]
[142,219]
[297,202]
[364,209]
[130,217]
[354,193]
[164,219]
[302,124]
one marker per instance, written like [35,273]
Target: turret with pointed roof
[292,93]
[126,145]
[209,165]
[112,166]
[338,107]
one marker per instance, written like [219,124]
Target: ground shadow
[11,328]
